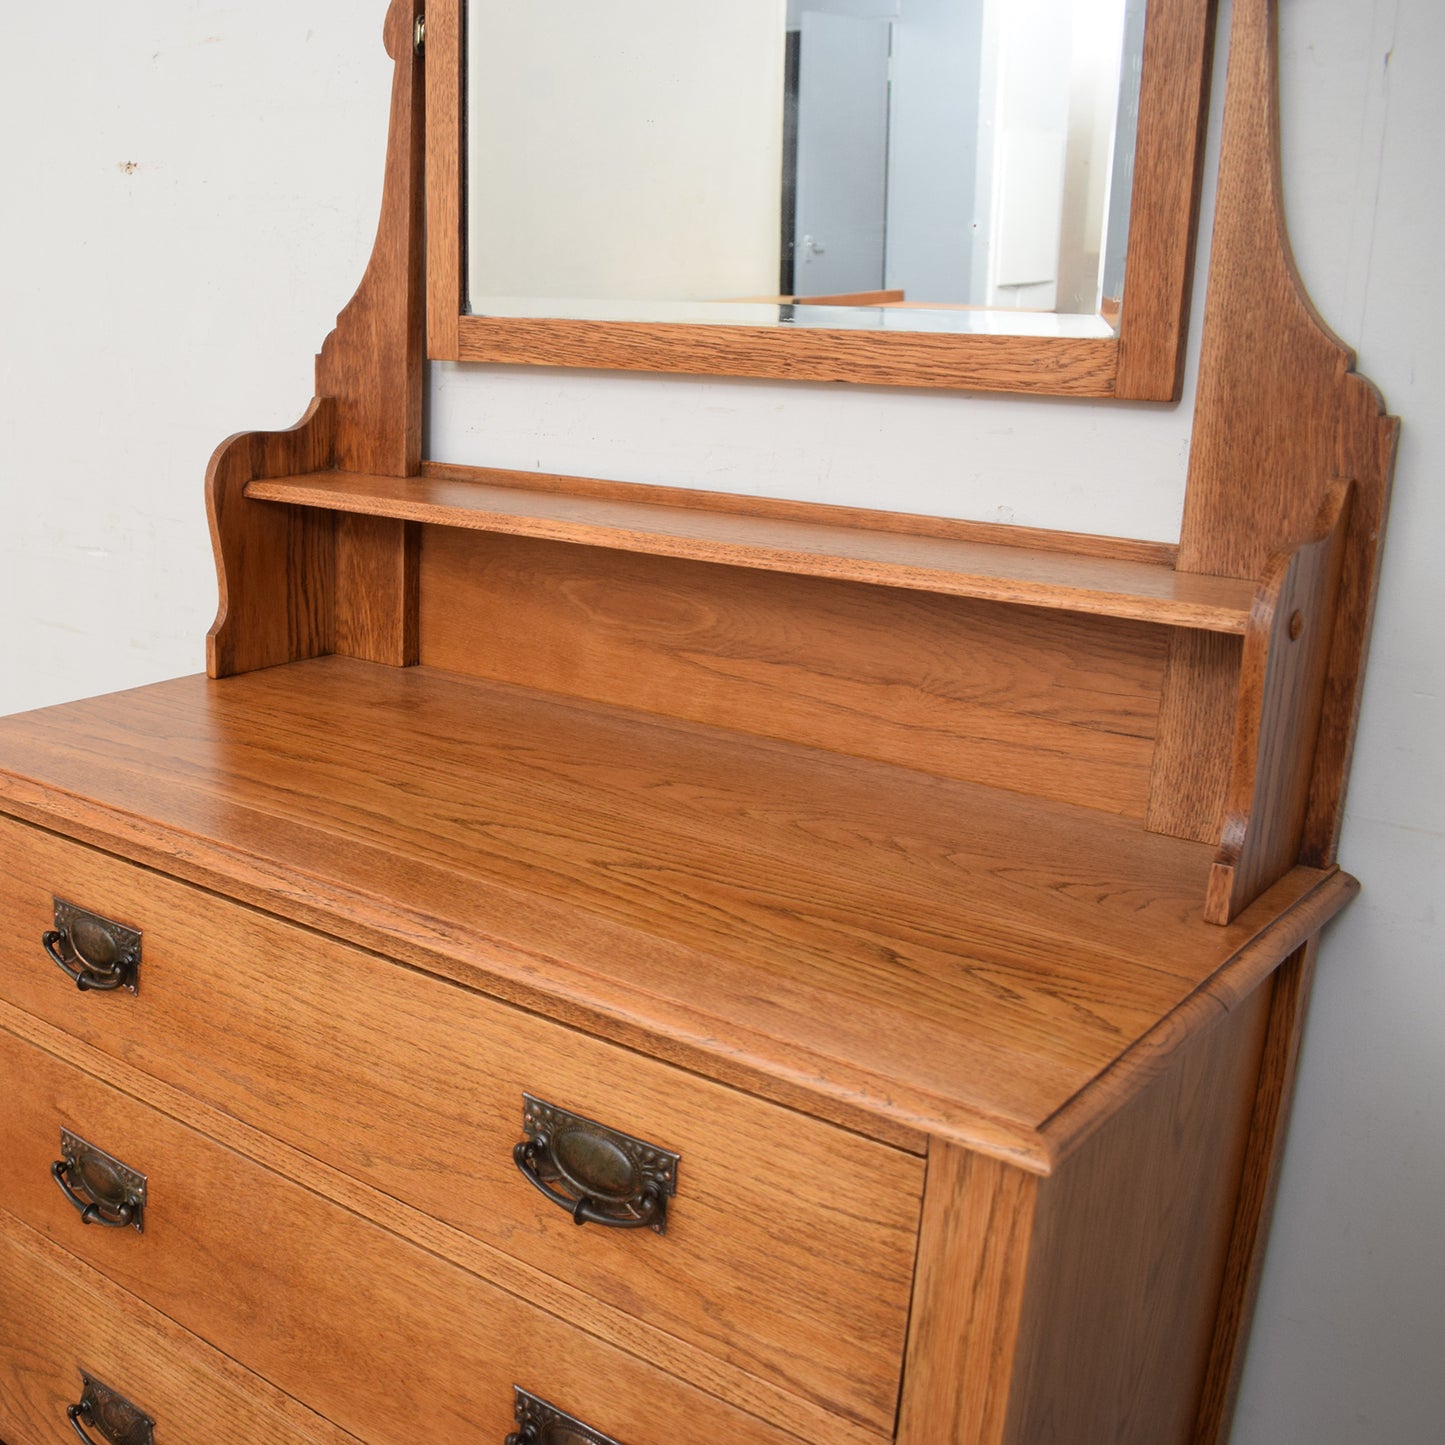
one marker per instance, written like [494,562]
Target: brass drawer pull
[598,1175]
[104,1190]
[539,1423]
[98,955]
[118,1421]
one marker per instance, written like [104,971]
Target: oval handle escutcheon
[101,1188]
[97,954]
[539,1423]
[597,1174]
[109,1412]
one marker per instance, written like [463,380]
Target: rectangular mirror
[972,193]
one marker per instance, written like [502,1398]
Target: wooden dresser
[596,963]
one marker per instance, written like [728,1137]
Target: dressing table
[631,965]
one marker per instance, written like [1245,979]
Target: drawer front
[789,1244]
[58,1318]
[388,1340]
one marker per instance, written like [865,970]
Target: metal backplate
[104,1178]
[112,1414]
[539,1423]
[99,945]
[614,1171]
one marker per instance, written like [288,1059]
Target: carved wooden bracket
[1282,679]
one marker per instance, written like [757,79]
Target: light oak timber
[978,1220]
[381,1337]
[715,805]
[1233,987]
[1282,678]
[552,1292]
[1128,1253]
[831,514]
[372,364]
[919,975]
[1194,734]
[446,291]
[1164,210]
[274,566]
[966,569]
[283,595]
[1040,366]
[1144,362]
[383,1073]
[1031,1292]
[1279,415]
[378,573]
[1053,704]
[1254,1209]
[72,1315]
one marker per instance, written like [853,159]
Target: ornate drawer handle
[598,1175]
[105,1191]
[97,954]
[120,1422]
[539,1423]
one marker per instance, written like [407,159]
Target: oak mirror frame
[1142,361]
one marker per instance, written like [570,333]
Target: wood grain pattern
[56,1313]
[1164,211]
[383,1075]
[895,951]
[968,1299]
[378,572]
[1038,366]
[1289,999]
[283,595]
[1153,1055]
[384,1339]
[1130,1240]
[1146,356]
[1007,573]
[274,565]
[1046,703]
[1280,412]
[608,1320]
[1195,731]
[445,184]
[781,509]
[1282,679]
[371,364]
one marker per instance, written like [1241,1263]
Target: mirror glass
[902,165]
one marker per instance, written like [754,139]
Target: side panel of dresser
[1082,1306]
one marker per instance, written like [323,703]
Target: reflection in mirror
[910,165]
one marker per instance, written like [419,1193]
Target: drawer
[388,1340]
[58,1318]
[789,1243]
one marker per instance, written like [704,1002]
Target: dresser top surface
[908,953]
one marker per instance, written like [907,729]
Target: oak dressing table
[602,963]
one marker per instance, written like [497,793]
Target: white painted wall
[147,312]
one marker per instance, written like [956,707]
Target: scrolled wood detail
[274,565]
[294,583]
[1280,412]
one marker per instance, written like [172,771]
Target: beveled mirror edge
[1144,362]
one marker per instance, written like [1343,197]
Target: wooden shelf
[904,953]
[1012,565]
